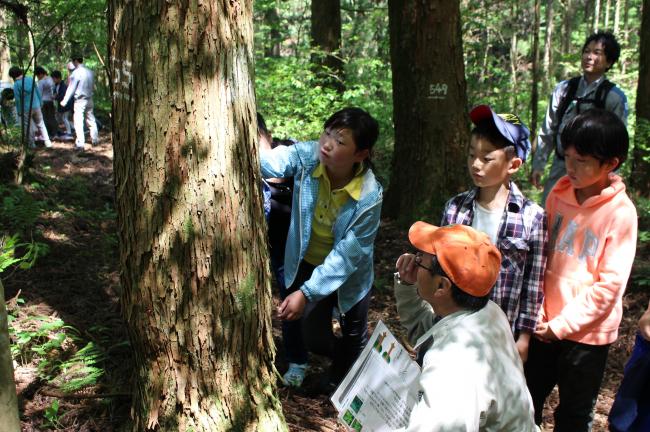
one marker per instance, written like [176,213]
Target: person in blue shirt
[328,261]
[28,106]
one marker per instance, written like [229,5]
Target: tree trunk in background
[430,109]
[196,287]
[617,17]
[272,48]
[514,57]
[326,43]
[607,8]
[640,175]
[5,58]
[596,25]
[548,48]
[569,13]
[626,28]
[8,400]
[534,93]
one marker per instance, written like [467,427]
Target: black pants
[577,369]
[313,332]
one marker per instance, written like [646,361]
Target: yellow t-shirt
[327,209]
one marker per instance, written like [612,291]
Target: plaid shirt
[522,239]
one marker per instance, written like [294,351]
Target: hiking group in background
[45,110]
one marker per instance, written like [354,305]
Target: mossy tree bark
[196,288]
[429,109]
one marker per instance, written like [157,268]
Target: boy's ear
[444,284]
[515,164]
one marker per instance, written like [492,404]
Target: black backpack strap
[601,93]
[567,98]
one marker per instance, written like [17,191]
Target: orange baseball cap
[467,256]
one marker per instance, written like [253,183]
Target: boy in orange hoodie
[593,229]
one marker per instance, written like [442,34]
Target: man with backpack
[576,95]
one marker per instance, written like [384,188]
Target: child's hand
[544,332]
[408,271]
[644,324]
[292,307]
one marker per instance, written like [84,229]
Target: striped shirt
[521,238]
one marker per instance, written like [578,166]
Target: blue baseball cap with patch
[509,125]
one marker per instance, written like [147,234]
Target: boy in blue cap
[516,225]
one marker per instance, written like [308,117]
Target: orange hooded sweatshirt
[591,250]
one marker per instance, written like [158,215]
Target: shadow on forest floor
[78,281]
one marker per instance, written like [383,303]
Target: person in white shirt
[472,376]
[81,88]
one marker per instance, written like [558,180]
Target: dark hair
[468,301]
[261,125]
[460,297]
[610,44]
[80,59]
[15,72]
[56,74]
[38,70]
[487,130]
[364,128]
[598,133]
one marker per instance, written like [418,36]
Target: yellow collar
[353,188]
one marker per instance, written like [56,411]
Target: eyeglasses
[418,262]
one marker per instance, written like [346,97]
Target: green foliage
[52,415]
[63,358]
[18,209]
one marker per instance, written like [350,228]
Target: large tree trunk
[430,108]
[326,42]
[8,400]
[196,293]
[534,93]
[640,165]
[596,26]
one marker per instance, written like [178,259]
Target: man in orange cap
[472,376]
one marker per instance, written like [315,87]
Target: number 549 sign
[437,91]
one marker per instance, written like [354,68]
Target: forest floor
[78,281]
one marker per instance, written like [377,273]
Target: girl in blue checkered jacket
[329,251]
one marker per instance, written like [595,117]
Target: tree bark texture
[8,401]
[429,109]
[196,293]
[326,42]
[641,155]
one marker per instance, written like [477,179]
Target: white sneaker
[295,375]
[48,143]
